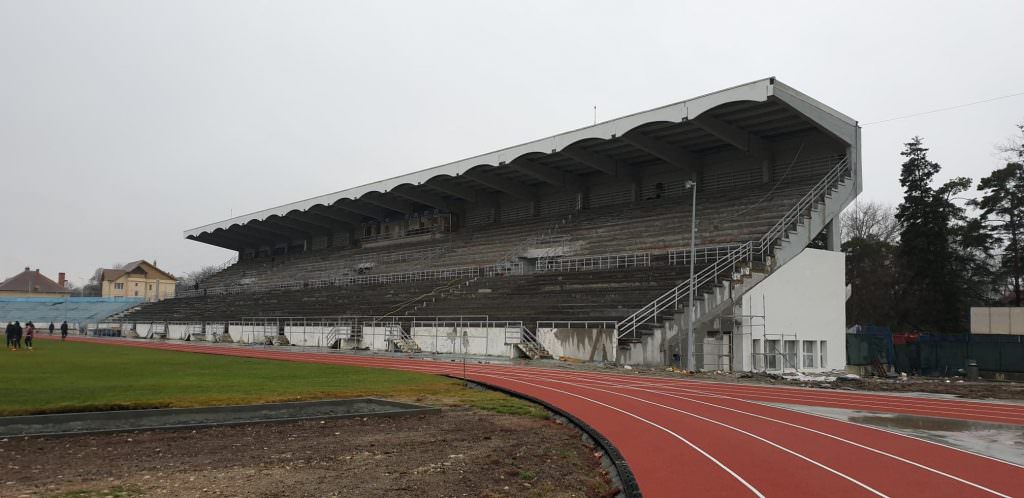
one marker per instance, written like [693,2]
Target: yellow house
[31,283]
[138,279]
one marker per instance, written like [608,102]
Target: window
[809,353]
[758,357]
[772,354]
[790,354]
[823,353]
[119,286]
[136,284]
[150,287]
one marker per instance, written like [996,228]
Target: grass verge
[65,377]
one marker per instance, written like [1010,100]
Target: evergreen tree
[942,257]
[870,272]
[1002,208]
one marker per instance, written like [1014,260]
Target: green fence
[931,354]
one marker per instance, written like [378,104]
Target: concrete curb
[627,480]
[135,420]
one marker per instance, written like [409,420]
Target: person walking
[10,335]
[63,331]
[51,328]
[30,332]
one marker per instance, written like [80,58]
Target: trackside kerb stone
[74,423]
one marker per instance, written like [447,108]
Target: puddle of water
[1002,441]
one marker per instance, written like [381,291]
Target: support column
[832,239]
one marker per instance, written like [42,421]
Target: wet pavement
[1002,441]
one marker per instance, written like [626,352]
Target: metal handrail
[840,171]
[590,263]
[672,297]
[745,251]
[704,254]
[571,324]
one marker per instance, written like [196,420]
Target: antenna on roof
[595,114]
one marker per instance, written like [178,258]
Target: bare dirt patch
[457,452]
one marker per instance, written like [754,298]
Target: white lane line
[838,438]
[653,424]
[827,402]
[724,387]
[677,386]
[737,429]
[771,406]
[845,401]
[450,368]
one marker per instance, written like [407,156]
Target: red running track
[695,438]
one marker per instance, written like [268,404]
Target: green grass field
[72,377]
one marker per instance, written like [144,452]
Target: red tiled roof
[31,281]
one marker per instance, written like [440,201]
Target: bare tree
[870,221]
[1013,149]
[190,279]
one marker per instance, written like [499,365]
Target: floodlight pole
[693,257]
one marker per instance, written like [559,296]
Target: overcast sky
[123,123]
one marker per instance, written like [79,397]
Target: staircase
[526,341]
[116,317]
[221,334]
[400,339]
[416,305]
[721,282]
[194,332]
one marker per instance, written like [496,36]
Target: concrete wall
[486,341]
[650,351]
[1006,320]
[806,297]
[580,344]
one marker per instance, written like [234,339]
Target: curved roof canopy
[743,117]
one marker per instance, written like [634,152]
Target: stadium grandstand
[575,245]
[74,310]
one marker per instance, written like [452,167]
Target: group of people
[15,334]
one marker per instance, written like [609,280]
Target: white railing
[383,278]
[816,195]
[743,253]
[672,298]
[577,324]
[384,257]
[592,263]
[502,269]
[704,254]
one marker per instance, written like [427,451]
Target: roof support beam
[451,188]
[302,226]
[671,154]
[276,231]
[735,136]
[396,205]
[329,224]
[601,163]
[547,174]
[498,183]
[360,209]
[425,198]
[253,236]
[222,240]
[337,214]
